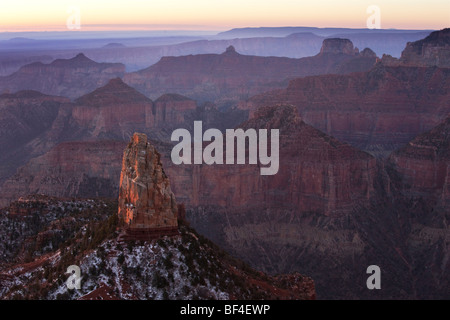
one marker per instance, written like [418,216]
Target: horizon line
[178,28]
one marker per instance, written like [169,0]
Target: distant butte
[230,49]
[230,77]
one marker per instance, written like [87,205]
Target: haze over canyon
[363,120]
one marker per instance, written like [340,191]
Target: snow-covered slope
[187,266]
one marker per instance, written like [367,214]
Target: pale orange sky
[34,15]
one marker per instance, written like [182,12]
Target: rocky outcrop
[377,111]
[338,46]
[63,77]
[147,205]
[326,175]
[24,115]
[116,110]
[434,50]
[36,126]
[113,111]
[367,52]
[10,63]
[87,229]
[171,109]
[228,77]
[423,166]
[296,43]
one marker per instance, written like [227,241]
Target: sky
[53,15]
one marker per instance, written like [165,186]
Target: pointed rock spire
[147,205]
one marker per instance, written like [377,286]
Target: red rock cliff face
[336,45]
[434,50]
[113,109]
[23,116]
[35,124]
[146,201]
[117,110]
[377,111]
[62,77]
[317,172]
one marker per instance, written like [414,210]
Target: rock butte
[147,205]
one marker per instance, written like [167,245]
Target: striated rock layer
[36,125]
[147,205]
[377,111]
[336,45]
[423,166]
[434,50]
[200,268]
[116,110]
[229,77]
[331,210]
